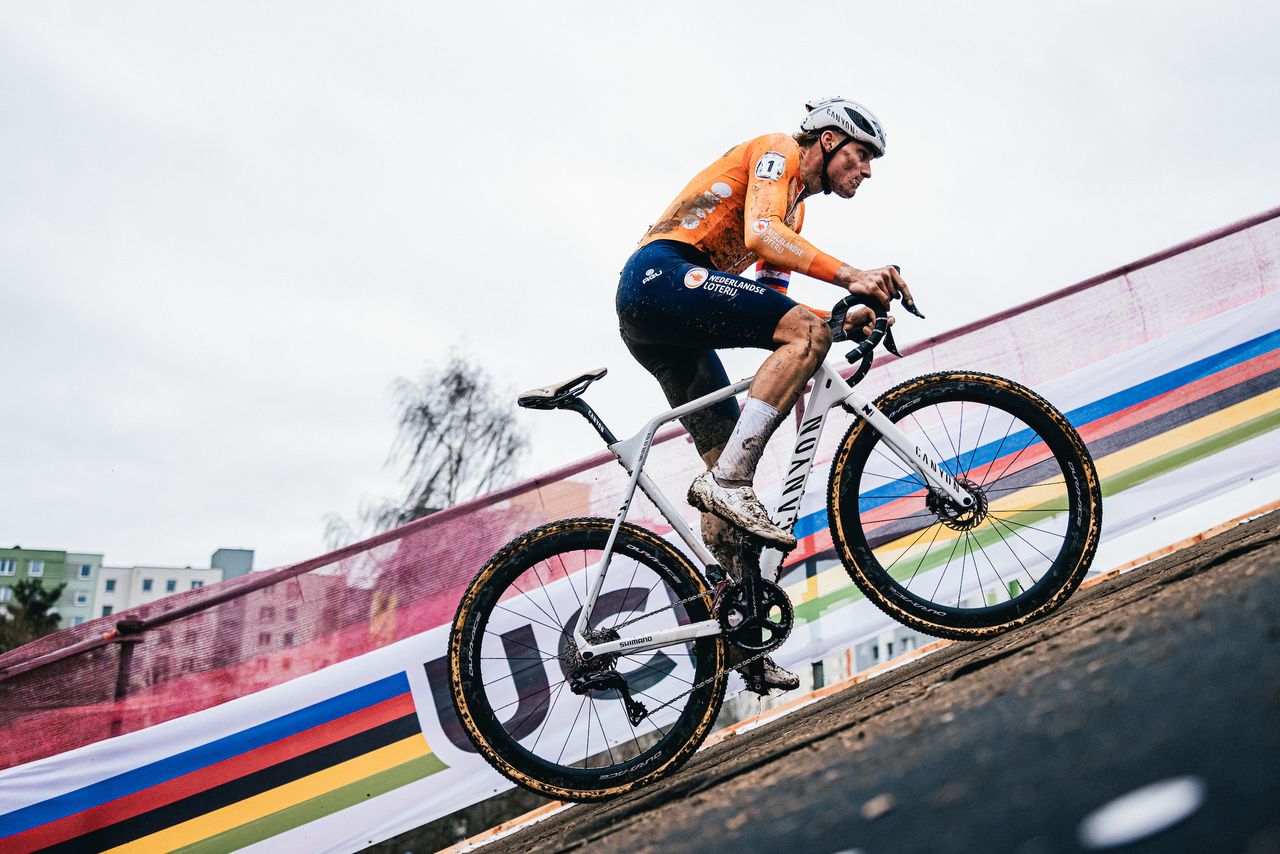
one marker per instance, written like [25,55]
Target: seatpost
[583,408]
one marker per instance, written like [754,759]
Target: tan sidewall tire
[901,396]
[675,562]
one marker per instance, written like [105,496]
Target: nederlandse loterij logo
[760,226]
[695,277]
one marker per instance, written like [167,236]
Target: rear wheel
[513,663]
[957,573]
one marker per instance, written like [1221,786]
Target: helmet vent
[861,121]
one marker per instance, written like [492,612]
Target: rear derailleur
[598,674]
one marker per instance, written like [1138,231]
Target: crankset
[756,616]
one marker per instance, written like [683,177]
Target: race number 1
[771,166]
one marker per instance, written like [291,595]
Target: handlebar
[880,330]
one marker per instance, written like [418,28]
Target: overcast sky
[227,227]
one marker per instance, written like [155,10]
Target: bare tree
[457,438]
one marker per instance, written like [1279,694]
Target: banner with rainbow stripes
[1170,370]
[332,761]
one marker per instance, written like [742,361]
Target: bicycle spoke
[548,718]
[907,550]
[512,675]
[1030,440]
[938,455]
[532,601]
[605,738]
[963,559]
[943,574]
[1057,534]
[1016,556]
[569,734]
[556,629]
[1017,487]
[1024,539]
[999,448]
[546,592]
[926,515]
[994,569]
[898,464]
[954,447]
[978,445]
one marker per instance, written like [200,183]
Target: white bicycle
[589,656]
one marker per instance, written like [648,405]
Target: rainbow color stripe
[244,787]
[1135,435]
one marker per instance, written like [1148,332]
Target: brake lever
[907,303]
[889,344]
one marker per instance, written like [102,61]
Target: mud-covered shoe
[773,675]
[738,505]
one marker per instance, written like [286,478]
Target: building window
[196,584]
[75,621]
[264,638]
[291,613]
[82,599]
[6,567]
[171,585]
[146,585]
[266,614]
[85,570]
[110,586]
[35,569]
[106,610]
[287,639]
[6,593]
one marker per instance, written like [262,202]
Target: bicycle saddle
[558,394]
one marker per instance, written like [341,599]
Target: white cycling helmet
[849,116]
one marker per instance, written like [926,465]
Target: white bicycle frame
[829,390]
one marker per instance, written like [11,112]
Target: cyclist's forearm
[776,244]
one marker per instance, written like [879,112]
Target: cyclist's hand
[860,315]
[883,283]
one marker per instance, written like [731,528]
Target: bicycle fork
[911,454]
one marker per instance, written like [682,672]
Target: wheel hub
[578,669]
[953,516]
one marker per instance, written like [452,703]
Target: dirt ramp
[1169,672]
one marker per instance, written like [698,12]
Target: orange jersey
[745,207]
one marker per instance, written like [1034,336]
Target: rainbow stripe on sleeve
[244,787]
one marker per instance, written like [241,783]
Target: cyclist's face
[849,168]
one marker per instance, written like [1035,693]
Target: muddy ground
[1006,745]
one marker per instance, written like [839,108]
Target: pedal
[715,575]
[754,678]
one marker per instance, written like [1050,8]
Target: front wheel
[966,574]
[518,682]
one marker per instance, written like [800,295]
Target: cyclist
[681,297]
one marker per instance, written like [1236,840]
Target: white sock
[738,460]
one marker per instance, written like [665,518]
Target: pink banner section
[199,649]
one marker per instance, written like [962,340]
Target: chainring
[758,626]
